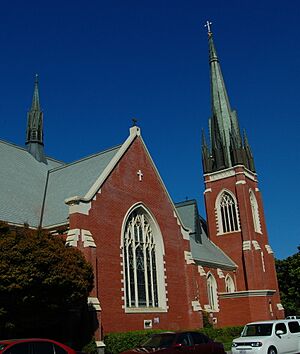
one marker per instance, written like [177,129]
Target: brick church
[157,264]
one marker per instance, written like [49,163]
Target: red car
[179,342]
[34,346]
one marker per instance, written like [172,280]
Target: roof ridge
[84,158]
[25,149]
[186,202]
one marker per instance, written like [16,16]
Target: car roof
[270,321]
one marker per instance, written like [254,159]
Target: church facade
[156,264]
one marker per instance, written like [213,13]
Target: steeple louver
[34,133]
[227,147]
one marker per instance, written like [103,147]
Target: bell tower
[235,214]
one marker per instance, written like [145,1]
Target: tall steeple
[226,145]
[34,133]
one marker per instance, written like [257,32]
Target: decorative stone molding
[201,271]
[188,257]
[240,182]
[247,293]
[76,235]
[73,237]
[94,303]
[279,306]
[220,175]
[246,245]
[207,190]
[196,306]
[77,206]
[269,249]
[87,239]
[256,245]
[207,308]
[220,273]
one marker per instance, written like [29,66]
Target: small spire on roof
[134,121]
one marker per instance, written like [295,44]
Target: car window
[280,327]
[184,339]
[257,329]
[43,348]
[199,338]
[19,348]
[294,327]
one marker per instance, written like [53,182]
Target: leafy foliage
[288,273]
[118,342]
[43,284]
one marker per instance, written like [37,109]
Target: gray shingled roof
[23,181]
[22,184]
[204,251]
[71,180]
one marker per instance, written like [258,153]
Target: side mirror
[279,333]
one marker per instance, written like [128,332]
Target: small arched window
[255,212]
[227,211]
[212,292]
[229,284]
[143,262]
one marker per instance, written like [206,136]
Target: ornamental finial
[208,23]
[134,121]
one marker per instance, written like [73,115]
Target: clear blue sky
[103,62]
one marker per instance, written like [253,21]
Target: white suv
[268,337]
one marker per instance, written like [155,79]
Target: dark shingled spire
[227,148]
[34,133]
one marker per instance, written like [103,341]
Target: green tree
[43,284]
[288,273]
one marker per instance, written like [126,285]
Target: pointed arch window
[229,284]
[227,211]
[143,262]
[255,212]
[212,292]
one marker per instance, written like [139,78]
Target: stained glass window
[140,262]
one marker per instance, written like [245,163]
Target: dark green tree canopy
[288,273]
[41,280]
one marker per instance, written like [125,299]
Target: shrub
[119,342]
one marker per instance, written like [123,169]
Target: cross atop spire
[207,24]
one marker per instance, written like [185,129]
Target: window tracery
[227,213]
[142,258]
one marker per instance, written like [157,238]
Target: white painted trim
[207,190]
[134,132]
[100,344]
[247,245]
[94,303]
[188,257]
[231,171]
[196,306]
[73,237]
[269,249]
[240,182]
[256,245]
[247,293]
[144,309]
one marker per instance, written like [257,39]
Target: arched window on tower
[255,212]
[227,213]
[229,284]
[143,262]
[212,292]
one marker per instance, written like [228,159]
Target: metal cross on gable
[140,174]
[208,23]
